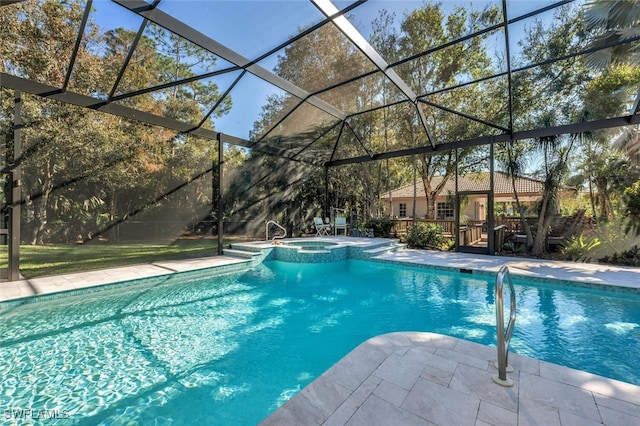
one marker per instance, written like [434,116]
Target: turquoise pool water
[231,349]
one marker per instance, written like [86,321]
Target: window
[444,211]
[402,210]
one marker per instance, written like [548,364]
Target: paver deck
[75,281]
[431,379]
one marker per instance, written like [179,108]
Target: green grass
[44,260]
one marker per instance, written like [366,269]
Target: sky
[254,27]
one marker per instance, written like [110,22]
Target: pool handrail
[266,230]
[504,337]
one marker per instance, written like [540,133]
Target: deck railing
[400,225]
[470,235]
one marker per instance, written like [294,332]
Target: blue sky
[253,27]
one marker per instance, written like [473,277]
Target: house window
[444,210]
[402,210]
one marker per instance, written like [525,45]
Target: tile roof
[473,182]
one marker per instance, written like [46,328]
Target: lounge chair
[321,227]
[340,223]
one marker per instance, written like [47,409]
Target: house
[473,202]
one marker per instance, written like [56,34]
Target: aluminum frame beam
[127,59]
[149,12]
[14,191]
[467,116]
[635,111]
[50,92]
[76,46]
[220,100]
[509,74]
[218,195]
[172,84]
[585,126]
[323,134]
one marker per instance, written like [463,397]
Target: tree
[92,170]
[556,151]
[544,97]
[512,159]
[611,21]
[424,28]
[608,94]
[632,207]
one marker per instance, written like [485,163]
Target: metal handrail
[266,230]
[504,337]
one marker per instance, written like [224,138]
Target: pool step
[246,247]
[388,248]
[244,254]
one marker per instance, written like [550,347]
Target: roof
[473,182]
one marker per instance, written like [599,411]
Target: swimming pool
[231,349]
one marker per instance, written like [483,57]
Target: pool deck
[81,280]
[416,378]
[424,378]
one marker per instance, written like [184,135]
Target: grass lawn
[38,261]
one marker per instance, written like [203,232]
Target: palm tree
[515,164]
[611,21]
[556,153]
[629,142]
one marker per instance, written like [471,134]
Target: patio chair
[321,227]
[340,223]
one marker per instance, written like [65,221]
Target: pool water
[231,349]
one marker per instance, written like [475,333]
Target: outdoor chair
[340,223]
[321,227]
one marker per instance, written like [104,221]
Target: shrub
[580,248]
[422,235]
[632,209]
[514,248]
[449,244]
[629,257]
[608,244]
[381,226]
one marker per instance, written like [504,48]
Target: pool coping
[541,270]
[28,290]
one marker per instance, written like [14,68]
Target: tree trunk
[113,205]
[37,237]
[431,205]
[604,202]
[41,204]
[523,221]
[512,165]
[592,199]
[432,193]
[542,226]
